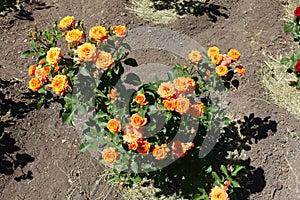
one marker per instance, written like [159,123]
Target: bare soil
[40,157]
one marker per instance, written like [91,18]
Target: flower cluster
[223,61]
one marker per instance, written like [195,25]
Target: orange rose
[53,55]
[137,120]
[216,58]
[218,193]
[222,70]
[42,73]
[180,149]
[42,62]
[195,56]
[66,22]
[113,93]
[240,70]
[166,90]
[234,54]
[160,152]
[75,36]
[184,85]
[182,105]
[104,60]
[141,99]
[169,104]
[110,155]
[213,50]
[86,51]
[132,134]
[35,84]
[31,70]
[120,31]
[60,84]
[196,110]
[98,33]
[114,125]
[143,147]
[133,145]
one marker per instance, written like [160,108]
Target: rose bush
[156,132]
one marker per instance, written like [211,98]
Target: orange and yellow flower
[179,149]
[98,33]
[222,70]
[132,134]
[113,93]
[110,155]
[42,73]
[104,60]
[74,36]
[137,120]
[213,50]
[31,70]
[66,22]
[234,54]
[196,110]
[182,105]
[35,84]
[166,90]
[141,99]
[184,85]
[143,146]
[216,58]
[53,55]
[60,84]
[114,126]
[169,104]
[86,51]
[160,152]
[219,193]
[240,70]
[133,145]
[195,56]
[120,31]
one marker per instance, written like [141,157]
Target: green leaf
[113,179]
[83,147]
[27,53]
[288,27]
[131,62]
[224,170]
[236,170]
[134,166]
[40,102]
[67,117]
[234,183]
[284,61]
[137,179]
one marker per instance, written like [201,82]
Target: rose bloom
[179,149]
[104,60]
[234,54]
[226,60]
[74,36]
[297,66]
[182,105]
[66,22]
[217,58]
[218,193]
[160,152]
[114,126]
[169,104]
[297,12]
[137,120]
[98,33]
[195,56]
[86,51]
[133,145]
[53,55]
[31,70]
[42,62]
[120,31]
[141,99]
[132,134]
[196,110]
[222,70]
[113,93]
[35,84]
[110,155]
[213,50]
[60,84]
[184,85]
[143,147]
[166,90]
[240,70]
[42,73]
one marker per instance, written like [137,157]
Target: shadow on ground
[237,139]
[11,157]
[194,7]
